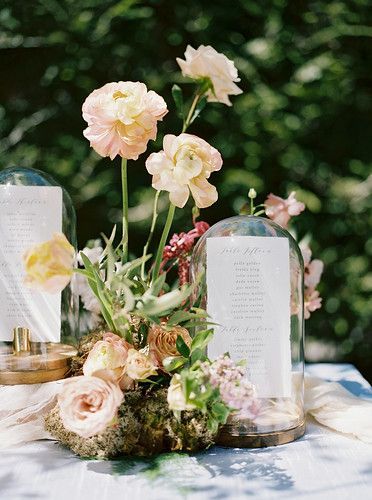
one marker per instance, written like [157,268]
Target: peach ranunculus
[88,405]
[122,117]
[312,302]
[280,210]
[313,268]
[49,265]
[139,366]
[206,62]
[162,342]
[176,397]
[184,165]
[107,358]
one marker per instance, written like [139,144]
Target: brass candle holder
[27,362]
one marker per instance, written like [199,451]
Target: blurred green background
[303,122]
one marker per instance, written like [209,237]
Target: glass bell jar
[249,272]
[38,329]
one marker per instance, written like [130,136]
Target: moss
[145,427]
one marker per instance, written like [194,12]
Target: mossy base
[145,427]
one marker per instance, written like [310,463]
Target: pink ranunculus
[184,165]
[280,210]
[107,359]
[122,117]
[206,62]
[313,272]
[312,302]
[88,405]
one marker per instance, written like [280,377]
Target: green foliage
[303,122]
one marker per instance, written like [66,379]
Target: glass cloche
[249,272]
[38,330]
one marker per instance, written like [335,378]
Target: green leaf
[199,108]
[173,363]
[182,347]
[201,340]
[220,412]
[166,303]
[178,99]
[198,355]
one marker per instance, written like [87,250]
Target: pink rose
[184,165]
[107,358]
[280,210]
[122,117]
[88,405]
[206,62]
[162,342]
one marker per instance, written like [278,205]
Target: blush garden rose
[88,405]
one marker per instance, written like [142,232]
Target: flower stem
[162,242]
[124,188]
[152,227]
[191,112]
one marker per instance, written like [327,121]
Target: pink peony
[206,62]
[184,165]
[122,117]
[107,358]
[280,210]
[88,405]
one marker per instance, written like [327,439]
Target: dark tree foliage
[303,122]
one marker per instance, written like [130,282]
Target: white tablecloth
[321,465]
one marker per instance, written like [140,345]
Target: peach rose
[280,210]
[88,405]
[107,358]
[162,342]
[122,117]
[139,366]
[206,62]
[49,265]
[176,397]
[184,165]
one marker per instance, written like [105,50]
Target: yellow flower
[49,265]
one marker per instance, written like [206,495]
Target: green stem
[124,188]
[151,233]
[191,112]
[252,207]
[162,242]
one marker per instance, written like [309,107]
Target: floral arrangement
[141,382]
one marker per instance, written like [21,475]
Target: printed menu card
[248,296]
[28,215]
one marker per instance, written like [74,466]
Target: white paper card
[248,288]
[28,215]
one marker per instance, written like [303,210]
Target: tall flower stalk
[124,190]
